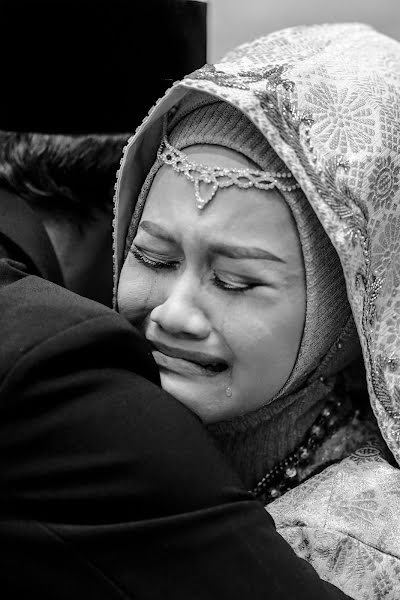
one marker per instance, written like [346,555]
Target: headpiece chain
[214,178]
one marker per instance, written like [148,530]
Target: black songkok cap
[90,66]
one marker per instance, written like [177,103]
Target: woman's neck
[256,442]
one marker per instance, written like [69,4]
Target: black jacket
[109,488]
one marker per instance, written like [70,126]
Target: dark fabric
[109,488]
[66,59]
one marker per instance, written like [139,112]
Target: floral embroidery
[210,73]
[391,65]
[392,324]
[366,452]
[281,43]
[386,253]
[343,118]
[390,121]
[383,182]
[362,509]
[274,78]
[240,80]
[343,523]
[388,401]
[383,584]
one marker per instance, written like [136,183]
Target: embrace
[232,428]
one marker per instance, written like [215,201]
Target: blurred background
[231,22]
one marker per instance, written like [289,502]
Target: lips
[187,361]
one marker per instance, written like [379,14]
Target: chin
[203,402]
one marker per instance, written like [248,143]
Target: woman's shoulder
[346,522]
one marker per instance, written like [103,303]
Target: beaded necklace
[287,474]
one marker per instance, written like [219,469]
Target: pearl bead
[317,431]
[273,492]
[290,472]
[304,453]
[333,421]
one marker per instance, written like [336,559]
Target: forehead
[246,215]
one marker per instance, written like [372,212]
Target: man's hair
[70,178]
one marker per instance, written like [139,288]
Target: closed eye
[153,263]
[232,286]
[157,264]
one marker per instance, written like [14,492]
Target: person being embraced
[256,234]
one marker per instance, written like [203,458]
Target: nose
[180,314]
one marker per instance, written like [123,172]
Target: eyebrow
[156,231]
[243,252]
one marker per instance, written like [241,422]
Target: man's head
[64,60]
[68,181]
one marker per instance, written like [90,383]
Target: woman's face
[219,293]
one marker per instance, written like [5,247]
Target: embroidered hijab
[327,100]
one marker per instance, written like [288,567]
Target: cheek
[265,341]
[135,291]
[263,328]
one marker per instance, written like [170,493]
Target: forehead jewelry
[208,180]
